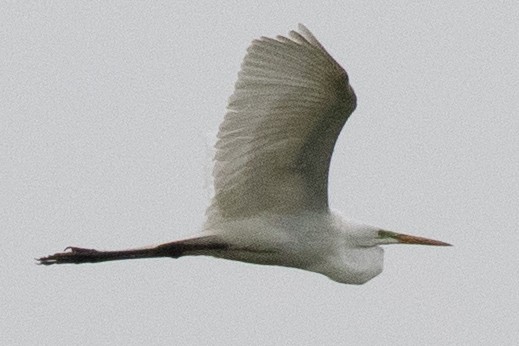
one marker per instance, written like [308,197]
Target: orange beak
[411,239]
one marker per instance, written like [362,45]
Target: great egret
[272,158]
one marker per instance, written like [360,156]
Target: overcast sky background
[105,112]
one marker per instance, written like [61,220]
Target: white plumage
[275,144]
[272,159]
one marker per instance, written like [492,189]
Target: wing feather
[274,146]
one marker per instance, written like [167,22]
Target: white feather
[274,146]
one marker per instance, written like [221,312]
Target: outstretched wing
[274,146]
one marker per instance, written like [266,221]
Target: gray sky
[104,114]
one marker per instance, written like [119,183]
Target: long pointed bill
[411,239]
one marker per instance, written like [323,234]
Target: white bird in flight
[272,159]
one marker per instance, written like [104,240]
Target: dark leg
[79,255]
[193,246]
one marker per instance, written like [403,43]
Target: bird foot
[75,255]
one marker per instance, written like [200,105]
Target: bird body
[320,242]
[272,160]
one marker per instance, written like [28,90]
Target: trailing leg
[192,246]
